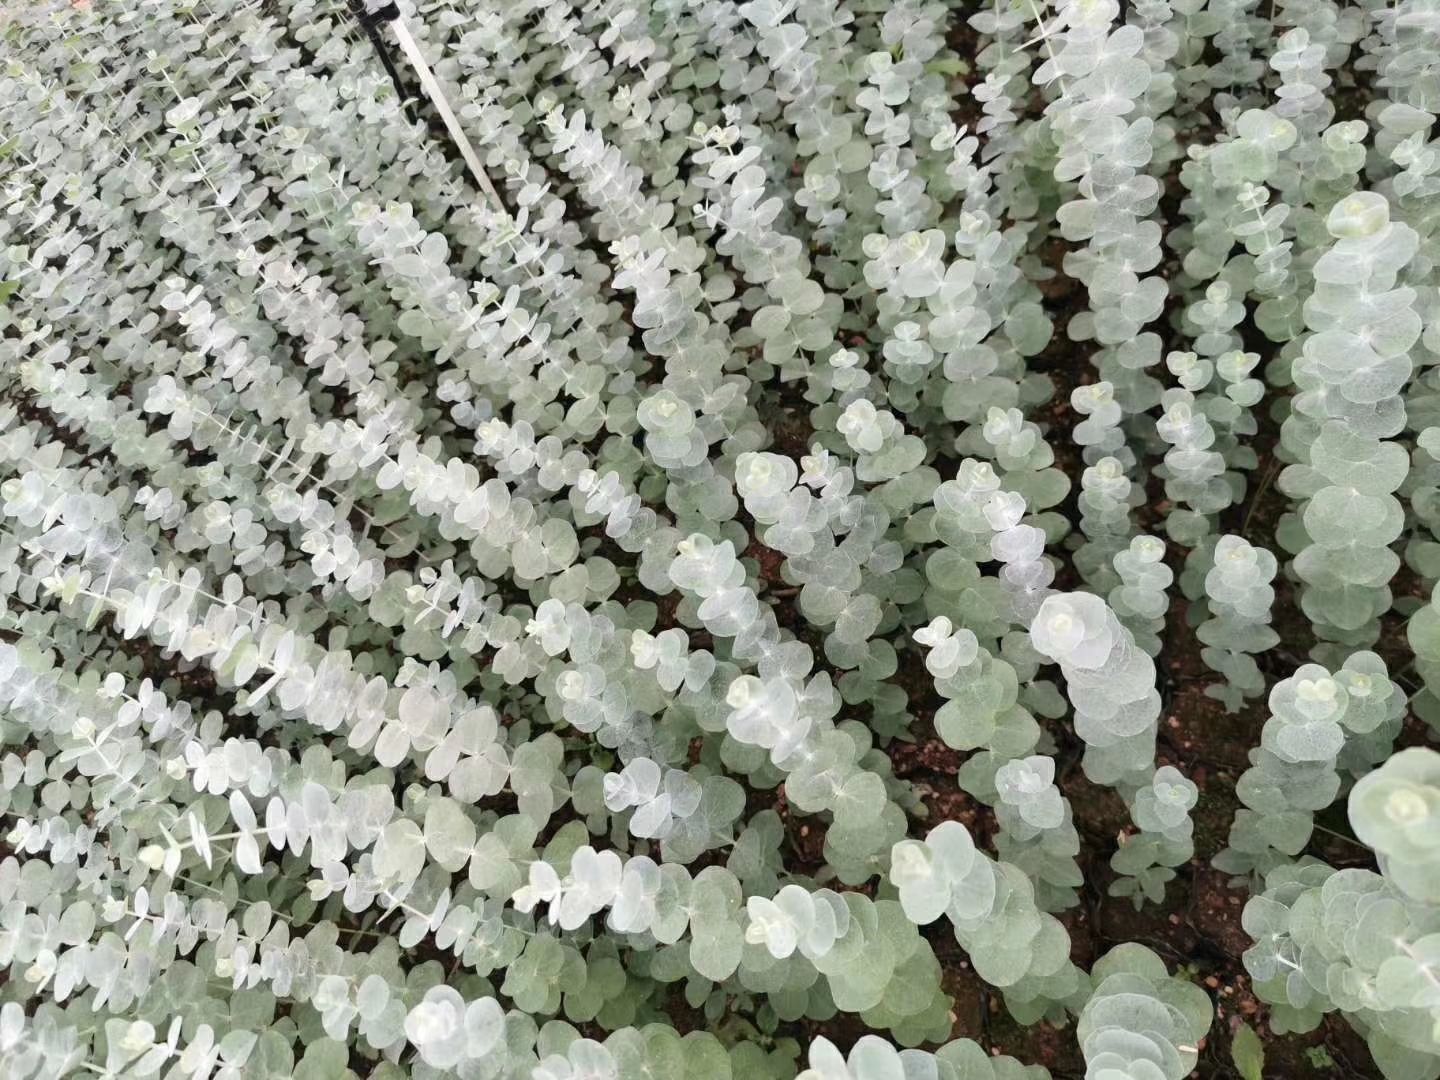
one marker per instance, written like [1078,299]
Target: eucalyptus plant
[497,499]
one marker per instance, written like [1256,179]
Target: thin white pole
[452,124]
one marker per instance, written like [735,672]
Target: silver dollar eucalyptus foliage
[504,505]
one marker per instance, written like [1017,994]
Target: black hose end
[373,18]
